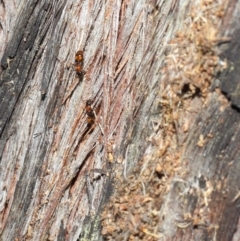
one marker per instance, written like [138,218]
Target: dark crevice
[2,2]
[236,108]
[188,92]
[73,181]
[233,106]
[52,51]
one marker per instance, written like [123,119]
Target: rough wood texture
[47,148]
[49,190]
[187,184]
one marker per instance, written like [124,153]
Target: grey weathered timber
[213,170]
[57,170]
[186,186]
[48,151]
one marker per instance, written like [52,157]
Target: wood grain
[48,189]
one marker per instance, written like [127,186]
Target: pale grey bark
[47,149]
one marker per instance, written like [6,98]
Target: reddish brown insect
[79,62]
[79,56]
[90,113]
[79,69]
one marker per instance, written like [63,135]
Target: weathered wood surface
[47,147]
[187,184]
